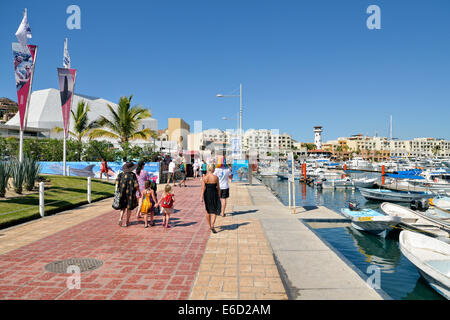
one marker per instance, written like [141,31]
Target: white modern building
[45,112]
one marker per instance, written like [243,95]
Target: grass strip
[65,193]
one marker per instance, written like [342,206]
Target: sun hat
[129,167]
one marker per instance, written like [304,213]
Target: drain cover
[85,264]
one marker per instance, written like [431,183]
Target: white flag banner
[66,60]
[24,31]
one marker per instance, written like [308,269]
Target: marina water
[399,277]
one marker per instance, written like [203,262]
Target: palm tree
[436,149]
[124,123]
[81,126]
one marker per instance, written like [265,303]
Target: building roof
[45,110]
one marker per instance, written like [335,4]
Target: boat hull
[431,257]
[387,195]
[379,225]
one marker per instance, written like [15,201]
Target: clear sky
[302,62]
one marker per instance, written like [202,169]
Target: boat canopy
[404,176]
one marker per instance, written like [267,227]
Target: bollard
[68,171]
[41,199]
[89,189]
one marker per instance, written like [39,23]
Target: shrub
[18,175]
[32,169]
[5,173]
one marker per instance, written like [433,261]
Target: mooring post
[89,189]
[41,199]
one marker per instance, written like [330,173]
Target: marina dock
[309,268]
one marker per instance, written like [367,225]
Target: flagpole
[68,119]
[27,107]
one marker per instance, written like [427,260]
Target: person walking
[171,172]
[166,202]
[224,173]
[128,185]
[142,176]
[104,169]
[195,166]
[203,169]
[148,202]
[210,195]
[183,174]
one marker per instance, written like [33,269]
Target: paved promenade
[138,263]
[184,262]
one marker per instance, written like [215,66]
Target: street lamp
[240,114]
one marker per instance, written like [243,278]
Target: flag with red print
[66,79]
[24,58]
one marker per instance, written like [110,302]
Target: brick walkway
[238,262]
[184,262]
[139,263]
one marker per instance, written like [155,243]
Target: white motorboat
[441,205]
[394,210]
[364,182]
[358,163]
[389,195]
[371,221]
[419,220]
[431,257]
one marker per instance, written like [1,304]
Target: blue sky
[302,63]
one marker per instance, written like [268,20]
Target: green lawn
[63,194]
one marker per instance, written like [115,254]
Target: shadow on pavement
[233,226]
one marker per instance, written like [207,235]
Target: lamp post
[237,127]
[240,114]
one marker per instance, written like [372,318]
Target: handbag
[116,201]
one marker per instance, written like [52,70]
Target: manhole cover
[85,264]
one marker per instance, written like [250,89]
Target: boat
[371,221]
[337,183]
[441,205]
[389,195]
[419,220]
[364,182]
[394,210]
[285,176]
[359,163]
[430,256]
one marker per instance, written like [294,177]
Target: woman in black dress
[128,186]
[211,196]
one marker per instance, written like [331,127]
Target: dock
[309,268]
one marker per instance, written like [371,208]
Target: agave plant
[32,169]
[5,173]
[18,175]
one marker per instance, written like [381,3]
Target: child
[166,202]
[147,204]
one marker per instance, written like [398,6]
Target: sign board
[92,169]
[240,171]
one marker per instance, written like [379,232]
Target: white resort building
[45,113]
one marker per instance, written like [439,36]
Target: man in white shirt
[224,173]
[171,175]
